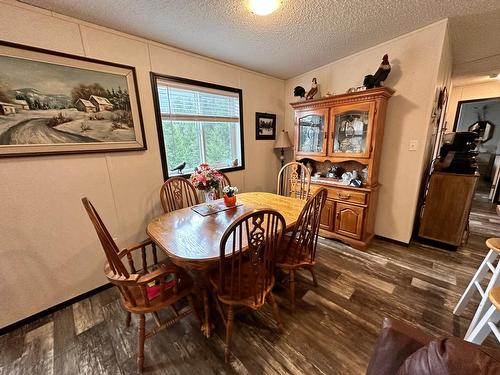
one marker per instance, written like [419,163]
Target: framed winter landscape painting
[54,103]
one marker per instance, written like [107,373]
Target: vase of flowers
[208,180]
[210,195]
[230,195]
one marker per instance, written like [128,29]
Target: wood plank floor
[483,218]
[332,331]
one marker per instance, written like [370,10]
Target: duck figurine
[313,90]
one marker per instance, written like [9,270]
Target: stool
[487,265]
[489,321]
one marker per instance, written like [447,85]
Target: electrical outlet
[413,145]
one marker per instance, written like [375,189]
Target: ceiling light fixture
[263,7]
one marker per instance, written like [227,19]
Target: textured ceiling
[300,36]
[476,45]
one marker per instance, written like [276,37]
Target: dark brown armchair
[405,350]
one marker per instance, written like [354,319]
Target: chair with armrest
[145,289]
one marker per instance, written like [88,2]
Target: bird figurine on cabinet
[299,91]
[377,79]
[179,168]
[313,90]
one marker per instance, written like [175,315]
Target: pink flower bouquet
[206,178]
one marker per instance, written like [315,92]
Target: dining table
[192,241]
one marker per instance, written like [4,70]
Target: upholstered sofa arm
[396,342]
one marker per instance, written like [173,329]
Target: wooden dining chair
[145,289]
[299,249]
[177,193]
[246,266]
[294,180]
[224,182]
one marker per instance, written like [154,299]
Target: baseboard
[436,244]
[401,243]
[53,309]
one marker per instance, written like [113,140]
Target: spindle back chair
[299,249]
[246,265]
[146,289]
[177,193]
[294,180]
[224,182]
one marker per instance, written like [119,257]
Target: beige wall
[469,92]
[443,80]
[48,248]
[416,61]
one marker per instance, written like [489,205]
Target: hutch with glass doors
[339,139]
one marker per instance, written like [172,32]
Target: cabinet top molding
[353,97]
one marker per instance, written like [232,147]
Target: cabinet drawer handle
[343,197]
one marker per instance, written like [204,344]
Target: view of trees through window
[200,126]
[183,143]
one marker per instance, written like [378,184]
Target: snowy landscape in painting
[44,103]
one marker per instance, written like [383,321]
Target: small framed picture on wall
[265,126]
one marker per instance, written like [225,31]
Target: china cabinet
[311,132]
[341,138]
[351,130]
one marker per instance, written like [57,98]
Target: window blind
[195,103]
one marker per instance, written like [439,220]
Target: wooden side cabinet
[445,216]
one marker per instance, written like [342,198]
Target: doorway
[483,116]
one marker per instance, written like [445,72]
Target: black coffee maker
[458,153]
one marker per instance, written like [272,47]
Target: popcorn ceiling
[300,36]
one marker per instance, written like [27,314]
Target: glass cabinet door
[351,133]
[311,133]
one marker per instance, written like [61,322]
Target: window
[198,123]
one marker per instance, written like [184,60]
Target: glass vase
[210,196]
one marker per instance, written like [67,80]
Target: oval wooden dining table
[192,241]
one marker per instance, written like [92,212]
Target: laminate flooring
[332,331]
[483,218]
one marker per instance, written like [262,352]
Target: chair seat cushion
[153,292]
[153,289]
[450,356]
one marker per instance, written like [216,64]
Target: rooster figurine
[380,75]
[313,91]
[299,91]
